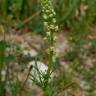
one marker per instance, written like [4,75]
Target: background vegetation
[77,22]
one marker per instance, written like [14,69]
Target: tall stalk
[49,19]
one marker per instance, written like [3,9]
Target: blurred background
[75,66]
[72,15]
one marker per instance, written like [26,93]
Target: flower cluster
[49,17]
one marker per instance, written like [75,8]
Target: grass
[75,18]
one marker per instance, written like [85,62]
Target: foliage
[76,15]
[77,18]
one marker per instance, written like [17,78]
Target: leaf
[2,49]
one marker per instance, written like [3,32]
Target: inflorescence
[49,17]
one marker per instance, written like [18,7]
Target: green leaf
[2,49]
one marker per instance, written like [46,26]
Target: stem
[51,53]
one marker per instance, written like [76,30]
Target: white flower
[47,11]
[52,27]
[54,20]
[45,16]
[48,33]
[55,38]
[56,28]
[51,15]
[46,24]
[52,48]
[53,11]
